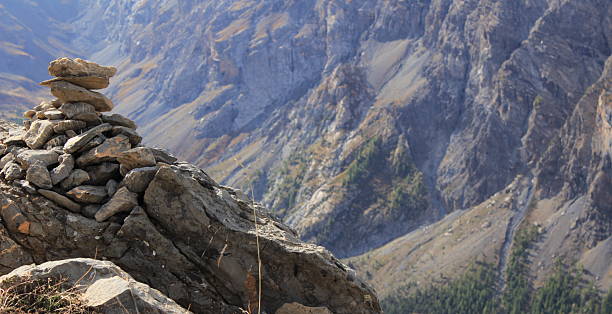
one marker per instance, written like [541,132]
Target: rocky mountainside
[76,183]
[340,114]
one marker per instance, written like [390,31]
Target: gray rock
[60,200]
[77,142]
[118,120]
[135,139]
[105,289]
[72,110]
[90,211]
[71,133]
[38,175]
[28,157]
[44,105]
[111,187]
[26,186]
[88,82]
[136,158]
[53,114]
[95,142]
[63,126]
[137,180]
[100,174]
[15,140]
[122,201]
[38,134]
[88,194]
[68,92]
[66,67]
[27,124]
[64,169]
[164,156]
[76,178]
[12,171]
[56,141]
[6,159]
[109,150]
[297,308]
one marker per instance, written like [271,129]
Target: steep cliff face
[382,115]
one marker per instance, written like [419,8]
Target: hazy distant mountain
[359,121]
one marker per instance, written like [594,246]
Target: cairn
[73,154]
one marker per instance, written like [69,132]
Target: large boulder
[101,286]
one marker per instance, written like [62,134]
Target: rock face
[163,222]
[102,286]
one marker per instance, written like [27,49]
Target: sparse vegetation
[41,296]
[567,290]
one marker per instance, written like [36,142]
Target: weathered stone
[3,149]
[100,174]
[75,143]
[90,211]
[60,200]
[122,201]
[88,194]
[56,141]
[15,140]
[28,157]
[63,67]
[12,171]
[38,175]
[44,105]
[162,155]
[136,158]
[105,289]
[109,150]
[79,111]
[71,133]
[297,308]
[27,124]
[68,92]
[26,186]
[97,141]
[111,187]
[64,169]
[135,139]
[29,114]
[53,114]
[137,180]
[66,125]
[38,134]
[89,82]
[6,159]
[94,122]
[76,178]
[118,120]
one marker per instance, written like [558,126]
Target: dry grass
[41,296]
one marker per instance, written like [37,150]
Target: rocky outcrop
[166,223]
[102,286]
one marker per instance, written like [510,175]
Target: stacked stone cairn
[74,154]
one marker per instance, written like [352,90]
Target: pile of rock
[76,156]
